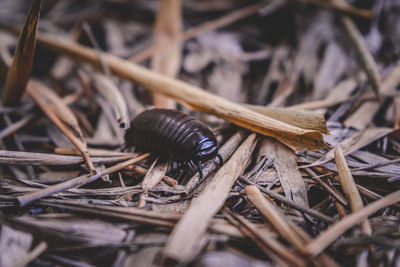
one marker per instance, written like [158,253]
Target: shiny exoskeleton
[174,135]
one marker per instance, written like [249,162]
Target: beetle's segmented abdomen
[169,133]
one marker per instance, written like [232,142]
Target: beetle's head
[206,150]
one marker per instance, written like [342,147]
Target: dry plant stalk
[152,178]
[285,164]
[291,203]
[229,216]
[269,240]
[294,137]
[57,105]
[185,241]
[273,216]
[31,158]
[148,217]
[365,58]
[168,180]
[94,152]
[350,188]
[339,94]
[363,116]
[167,60]
[79,144]
[320,243]
[20,70]
[39,249]
[301,118]
[154,175]
[78,181]
[341,7]
[203,28]
[12,128]
[331,190]
[353,143]
[109,91]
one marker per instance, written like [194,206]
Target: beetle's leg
[200,169]
[221,160]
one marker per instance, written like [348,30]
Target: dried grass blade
[12,128]
[319,244]
[143,216]
[291,203]
[79,144]
[304,119]
[183,243]
[294,137]
[111,93]
[203,28]
[20,70]
[78,181]
[94,152]
[31,158]
[152,178]
[57,105]
[154,175]
[365,58]
[285,163]
[341,7]
[167,60]
[268,240]
[350,188]
[168,180]
[33,254]
[331,190]
[353,143]
[339,94]
[273,216]
[366,112]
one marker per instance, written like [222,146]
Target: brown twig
[341,7]
[273,216]
[267,240]
[80,145]
[78,181]
[319,244]
[203,28]
[291,203]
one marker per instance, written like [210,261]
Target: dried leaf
[111,93]
[285,163]
[354,143]
[20,70]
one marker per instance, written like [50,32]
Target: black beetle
[173,135]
